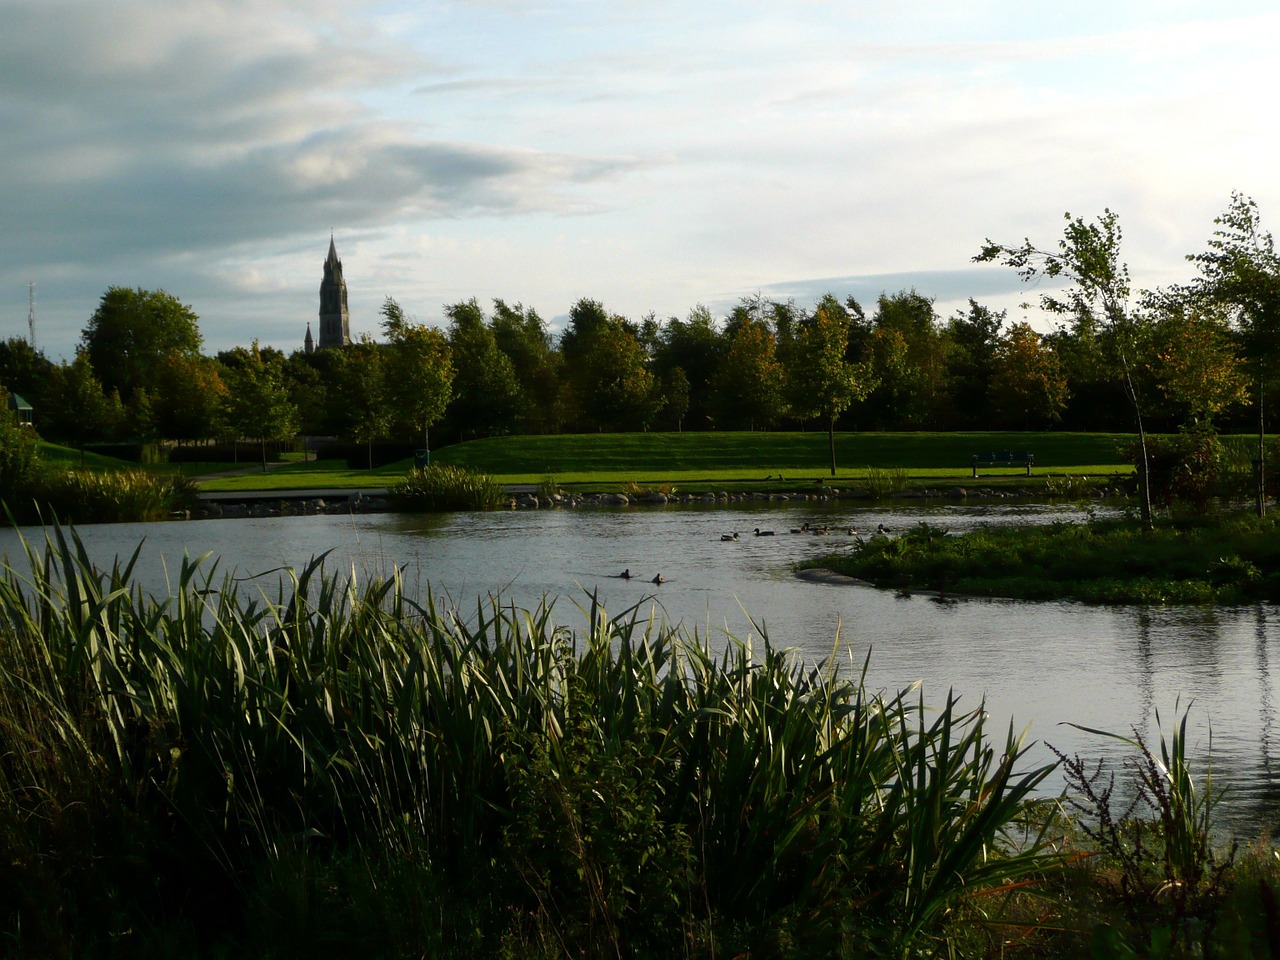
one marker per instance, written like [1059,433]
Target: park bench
[1002,459]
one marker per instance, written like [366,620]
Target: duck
[763,533]
[853,532]
[625,574]
[658,579]
[883,530]
[802,529]
[727,537]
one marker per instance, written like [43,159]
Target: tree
[1196,365]
[750,385]
[131,331]
[486,393]
[76,409]
[190,397]
[24,370]
[823,383]
[911,355]
[1028,387]
[694,346]
[609,380]
[522,335]
[361,392]
[1241,272]
[258,405]
[418,370]
[1088,259]
[974,336]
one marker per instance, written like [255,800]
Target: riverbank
[1226,559]
[309,502]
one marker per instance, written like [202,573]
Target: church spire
[335,323]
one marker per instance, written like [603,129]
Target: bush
[19,453]
[446,488]
[1183,467]
[85,496]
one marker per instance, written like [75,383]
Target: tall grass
[116,496]
[446,488]
[344,763]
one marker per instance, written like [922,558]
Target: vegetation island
[351,770]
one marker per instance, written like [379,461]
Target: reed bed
[338,767]
[436,488]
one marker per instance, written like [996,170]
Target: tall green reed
[156,747]
[446,488]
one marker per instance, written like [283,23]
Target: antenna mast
[31,312]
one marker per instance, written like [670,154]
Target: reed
[191,761]
[885,481]
[446,488]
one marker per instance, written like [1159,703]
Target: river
[1039,665]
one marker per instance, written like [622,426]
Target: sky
[653,156]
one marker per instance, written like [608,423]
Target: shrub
[1183,467]
[19,451]
[118,496]
[446,488]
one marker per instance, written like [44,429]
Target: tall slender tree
[1096,294]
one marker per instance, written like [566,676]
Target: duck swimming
[658,579]
[763,533]
[728,536]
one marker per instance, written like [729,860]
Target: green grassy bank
[715,459]
[1223,559]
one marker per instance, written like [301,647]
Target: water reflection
[1042,665]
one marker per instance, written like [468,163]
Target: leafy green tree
[190,397]
[750,384]
[418,368]
[131,331]
[974,335]
[823,382]
[610,384]
[76,410]
[675,395]
[910,356]
[1097,295]
[24,370]
[362,395]
[523,336]
[1196,364]
[486,393]
[257,401]
[695,347]
[1241,273]
[1028,387]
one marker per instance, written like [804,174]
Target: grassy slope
[604,459]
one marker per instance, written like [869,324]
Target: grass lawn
[721,460]
[693,462]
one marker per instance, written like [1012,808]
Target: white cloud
[652,156]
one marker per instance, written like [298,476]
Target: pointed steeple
[335,325]
[308,344]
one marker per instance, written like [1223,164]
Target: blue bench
[1002,459]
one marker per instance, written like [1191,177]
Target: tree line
[1194,355]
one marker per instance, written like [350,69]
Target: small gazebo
[24,411]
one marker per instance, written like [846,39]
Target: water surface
[1038,665]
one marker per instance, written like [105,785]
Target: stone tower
[335,324]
